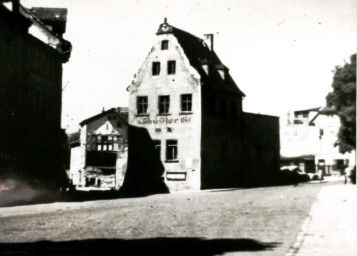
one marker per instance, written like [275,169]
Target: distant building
[307,140]
[189,111]
[31,137]
[99,159]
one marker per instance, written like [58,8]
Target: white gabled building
[100,159]
[308,138]
[188,112]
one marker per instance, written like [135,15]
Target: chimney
[208,38]
[55,19]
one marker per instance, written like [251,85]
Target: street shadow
[147,246]
[224,189]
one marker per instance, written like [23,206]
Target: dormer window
[155,68]
[164,45]
[222,74]
[205,66]
[222,70]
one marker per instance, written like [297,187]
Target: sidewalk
[330,228]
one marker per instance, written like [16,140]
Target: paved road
[260,221]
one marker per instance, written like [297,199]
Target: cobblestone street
[260,221]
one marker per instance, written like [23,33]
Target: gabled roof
[307,110]
[330,111]
[120,112]
[64,46]
[198,53]
[25,18]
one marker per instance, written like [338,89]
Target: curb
[294,249]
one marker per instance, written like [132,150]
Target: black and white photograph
[156,127]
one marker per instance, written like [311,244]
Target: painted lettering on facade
[164,120]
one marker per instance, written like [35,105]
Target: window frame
[171,67]
[184,104]
[171,152]
[157,146]
[165,105]
[164,44]
[107,142]
[142,105]
[156,67]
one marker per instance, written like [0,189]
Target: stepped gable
[198,53]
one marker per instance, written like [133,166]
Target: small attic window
[222,73]
[222,70]
[171,67]
[155,68]
[164,45]
[205,68]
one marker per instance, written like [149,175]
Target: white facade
[184,127]
[314,133]
[105,134]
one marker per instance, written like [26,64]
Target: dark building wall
[30,93]
[261,146]
[12,46]
[221,139]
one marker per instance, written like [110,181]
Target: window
[164,45]
[321,132]
[186,102]
[171,67]
[171,150]
[157,145]
[105,142]
[338,164]
[142,105]
[119,124]
[155,68]
[164,104]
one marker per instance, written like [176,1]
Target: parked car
[297,175]
[295,168]
[292,168]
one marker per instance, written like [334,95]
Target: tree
[74,137]
[343,100]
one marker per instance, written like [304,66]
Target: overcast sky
[281,53]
